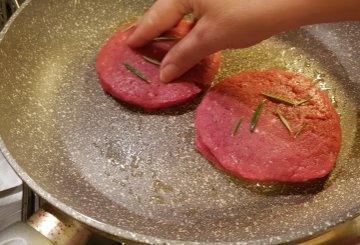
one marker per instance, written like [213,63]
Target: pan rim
[126,234]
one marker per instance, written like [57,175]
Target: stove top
[10,195]
[8,178]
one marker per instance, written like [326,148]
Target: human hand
[229,24]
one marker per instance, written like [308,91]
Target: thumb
[196,45]
[163,15]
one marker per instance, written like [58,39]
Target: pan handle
[46,228]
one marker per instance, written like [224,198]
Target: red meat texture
[271,153]
[125,86]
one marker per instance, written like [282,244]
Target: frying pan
[135,174]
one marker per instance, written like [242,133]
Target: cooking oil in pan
[148,177]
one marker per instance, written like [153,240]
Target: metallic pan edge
[85,219]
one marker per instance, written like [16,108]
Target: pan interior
[137,171]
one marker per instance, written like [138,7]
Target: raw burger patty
[125,86]
[271,153]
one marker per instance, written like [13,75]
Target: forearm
[307,12]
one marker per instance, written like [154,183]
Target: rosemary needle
[283,119]
[237,126]
[151,60]
[303,101]
[256,115]
[284,100]
[279,98]
[136,72]
[165,38]
[301,130]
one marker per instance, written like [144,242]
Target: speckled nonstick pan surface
[135,174]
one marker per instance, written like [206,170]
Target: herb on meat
[256,116]
[301,130]
[237,126]
[284,100]
[283,119]
[136,72]
[165,38]
[151,60]
[303,101]
[279,98]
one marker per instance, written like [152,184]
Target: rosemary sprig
[151,60]
[284,100]
[256,116]
[136,72]
[237,126]
[279,98]
[283,119]
[165,38]
[301,130]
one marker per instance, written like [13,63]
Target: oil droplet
[157,200]
[135,160]
[138,199]
[123,183]
[115,181]
[113,161]
[161,187]
[137,174]
[99,147]
[318,77]
[307,64]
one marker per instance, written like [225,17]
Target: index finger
[163,15]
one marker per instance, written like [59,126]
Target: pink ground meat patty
[271,153]
[122,84]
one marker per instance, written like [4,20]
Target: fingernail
[169,72]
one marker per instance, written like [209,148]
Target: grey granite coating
[135,174]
